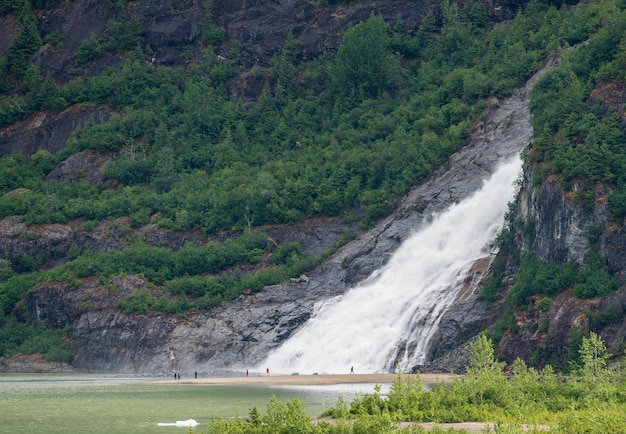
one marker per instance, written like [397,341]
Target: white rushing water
[392,316]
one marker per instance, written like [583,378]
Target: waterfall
[391,317]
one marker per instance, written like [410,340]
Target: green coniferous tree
[359,70]
[25,44]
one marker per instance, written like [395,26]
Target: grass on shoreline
[513,400]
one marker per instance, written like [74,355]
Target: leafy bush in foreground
[522,400]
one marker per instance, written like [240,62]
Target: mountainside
[183,181]
[241,332]
[171,29]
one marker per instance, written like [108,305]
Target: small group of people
[267,371]
[177,375]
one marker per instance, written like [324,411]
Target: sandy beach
[304,380]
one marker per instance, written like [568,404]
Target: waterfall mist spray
[391,317]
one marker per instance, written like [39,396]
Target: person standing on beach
[267,371]
[246,372]
[351,369]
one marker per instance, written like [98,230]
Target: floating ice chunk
[188,422]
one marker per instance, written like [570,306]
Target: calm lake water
[83,403]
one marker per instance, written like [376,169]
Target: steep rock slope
[241,332]
[565,231]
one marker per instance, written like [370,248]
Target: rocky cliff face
[561,231]
[565,231]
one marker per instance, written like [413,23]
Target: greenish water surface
[80,403]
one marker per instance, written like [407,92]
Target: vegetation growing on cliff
[579,134]
[578,139]
[343,136]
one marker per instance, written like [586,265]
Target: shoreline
[304,380]
[338,379]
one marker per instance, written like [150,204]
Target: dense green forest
[339,135]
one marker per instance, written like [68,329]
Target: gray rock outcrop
[562,231]
[47,131]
